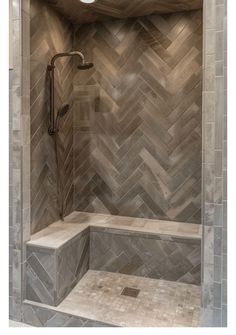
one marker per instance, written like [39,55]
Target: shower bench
[59,255]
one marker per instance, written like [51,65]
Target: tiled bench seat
[59,255]
[57,258]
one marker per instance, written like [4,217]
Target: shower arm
[51,69]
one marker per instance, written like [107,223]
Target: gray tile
[75,322]
[224,316]
[217,317]
[217,241]
[207,296]
[218,163]
[58,320]
[209,214]
[209,7]
[44,314]
[207,317]
[219,115]
[210,43]
[224,292]
[209,102]
[51,274]
[218,216]
[140,256]
[30,317]
[224,241]
[224,271]
[220,18]
[218,190]
[208,247]
[217,268]
[217,295]
[209,186]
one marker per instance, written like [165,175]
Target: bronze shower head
[85,66]
[54,122]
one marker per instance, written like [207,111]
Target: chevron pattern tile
[52,273]
[50,33]
[146,257]
[72,264]
[78,12]
[137,117]
[41,275]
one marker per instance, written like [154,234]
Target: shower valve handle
[52,131]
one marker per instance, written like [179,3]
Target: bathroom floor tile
[160,303]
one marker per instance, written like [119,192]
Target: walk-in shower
[54,123]
[113,195]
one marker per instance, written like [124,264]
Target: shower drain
[130,292]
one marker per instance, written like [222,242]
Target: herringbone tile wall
[137,117]
[172,259]
[50,33]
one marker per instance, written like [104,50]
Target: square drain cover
[130,292]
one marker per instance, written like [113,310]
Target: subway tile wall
[214,182]
[19,192]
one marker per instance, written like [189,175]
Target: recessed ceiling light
[87,1]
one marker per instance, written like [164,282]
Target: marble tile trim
[60,233]
[133,233]
[57,235]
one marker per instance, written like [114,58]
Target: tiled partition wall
[19,193]
[50,33]
[214,196]
[137,127]
[214,303]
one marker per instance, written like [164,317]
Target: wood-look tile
[50,33]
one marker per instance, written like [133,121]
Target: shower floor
[159,303]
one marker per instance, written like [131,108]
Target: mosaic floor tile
[160,303]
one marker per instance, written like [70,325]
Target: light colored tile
[58,233]
[209,100]
[209,7]
[210,42]
[159,303]
[17,324]
[219,45]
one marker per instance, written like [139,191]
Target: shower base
[104,270]
[159,303]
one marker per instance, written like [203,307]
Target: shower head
[54,122]
[85,66]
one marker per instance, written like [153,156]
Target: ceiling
[78,12]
